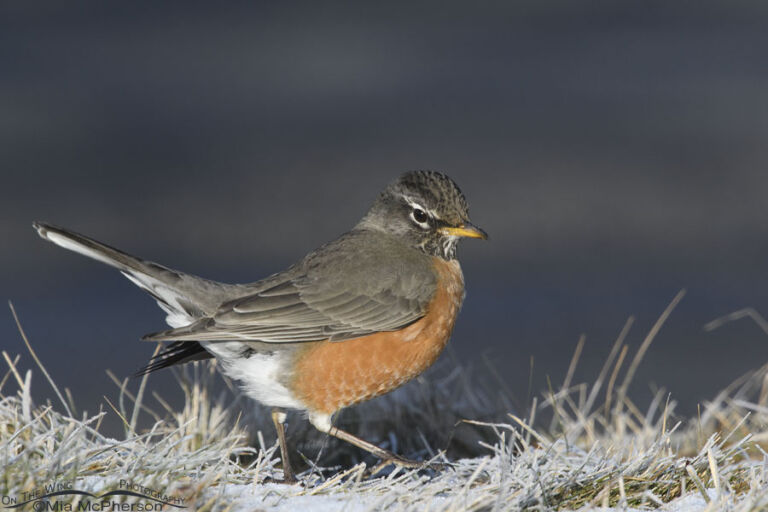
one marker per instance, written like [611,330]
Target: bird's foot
[288,479]
[402,462]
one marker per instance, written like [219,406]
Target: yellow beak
[465,230]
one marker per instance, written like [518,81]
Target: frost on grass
[580,447]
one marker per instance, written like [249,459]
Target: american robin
[354,319]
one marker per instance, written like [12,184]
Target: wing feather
[385,287]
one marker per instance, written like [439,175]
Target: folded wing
[312,303]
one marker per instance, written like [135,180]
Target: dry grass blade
[646,344]
[737,315]
[140,394]
[37,360]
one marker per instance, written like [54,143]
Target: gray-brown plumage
[383,296]
[359,284]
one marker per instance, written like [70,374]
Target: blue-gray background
[616,153]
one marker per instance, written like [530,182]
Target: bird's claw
[402,462]
[286,480]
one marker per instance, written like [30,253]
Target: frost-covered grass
[580,446]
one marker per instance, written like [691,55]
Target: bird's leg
[278,418]
[323,423]
[386,456]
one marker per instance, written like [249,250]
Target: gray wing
[360,284]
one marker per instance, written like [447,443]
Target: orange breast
[330,375]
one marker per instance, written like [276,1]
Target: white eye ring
[419,216]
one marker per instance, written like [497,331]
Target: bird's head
[427,210]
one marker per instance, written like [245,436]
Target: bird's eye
[419,215]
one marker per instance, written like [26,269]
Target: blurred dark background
[614,151]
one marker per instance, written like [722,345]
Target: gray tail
[184,297]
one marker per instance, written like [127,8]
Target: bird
[354,319]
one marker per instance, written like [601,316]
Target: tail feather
[184,297]
[93,249]
[179,352]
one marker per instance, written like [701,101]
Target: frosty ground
[582,446]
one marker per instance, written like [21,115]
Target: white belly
[259,374]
